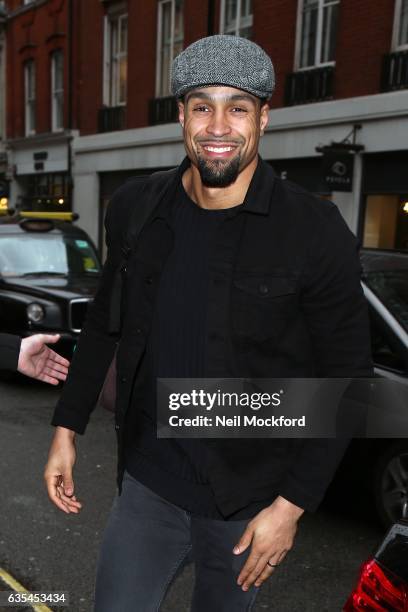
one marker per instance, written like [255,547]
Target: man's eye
[201,108]
[239,109]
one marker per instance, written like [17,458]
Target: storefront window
[48,192]
[386,222]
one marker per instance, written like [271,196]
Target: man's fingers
[255,572]
[51,376]
[56,366]
[71,503]
[68,483]
[55,373]
[57,358]
[48,379]
[52,484]
[253,562]
[268,571]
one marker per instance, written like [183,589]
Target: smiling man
[216,269]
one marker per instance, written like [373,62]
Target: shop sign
[337,170]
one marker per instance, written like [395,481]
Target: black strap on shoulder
[153,191]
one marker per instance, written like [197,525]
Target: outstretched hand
[38,361]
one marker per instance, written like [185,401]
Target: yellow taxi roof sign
[57,216]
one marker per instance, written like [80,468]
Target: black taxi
[49,271]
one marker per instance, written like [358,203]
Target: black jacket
[284,300]
[9,351]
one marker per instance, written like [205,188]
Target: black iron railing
[163,110]
[395,71]
[111,118]
[312,85]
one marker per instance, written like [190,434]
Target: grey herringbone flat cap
[223,60]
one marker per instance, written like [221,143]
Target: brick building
[4,191]
[342,78]
[39,115]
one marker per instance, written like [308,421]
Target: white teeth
[219,149]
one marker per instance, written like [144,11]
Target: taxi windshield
[45,254]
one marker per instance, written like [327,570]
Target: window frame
[29,102]
[111,80]
[318,45]
[3,60]
[159,29]
[395,29]
[55,93]
[238,22]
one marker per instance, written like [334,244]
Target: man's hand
[271,532]
[58,471]
[37,360]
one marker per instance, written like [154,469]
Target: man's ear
[264,117]
[181,117]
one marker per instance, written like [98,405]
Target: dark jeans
[146,541]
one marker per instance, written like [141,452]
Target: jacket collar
[258,196]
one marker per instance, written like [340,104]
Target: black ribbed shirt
[176,469]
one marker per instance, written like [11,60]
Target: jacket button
[117,427]
[264,289]
[124,269]
[139,330]
[149,280]
[123,379]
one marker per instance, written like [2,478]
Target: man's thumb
[243,543]
[68,484]
[50,339]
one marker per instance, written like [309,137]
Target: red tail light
[377,591]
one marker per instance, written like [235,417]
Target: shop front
[384,211]
[304,171]
[48,192]
[41,180]
[4,194]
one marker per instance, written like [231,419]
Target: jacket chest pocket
[263,306]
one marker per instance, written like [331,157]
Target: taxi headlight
[35,313]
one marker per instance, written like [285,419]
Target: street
[46,550]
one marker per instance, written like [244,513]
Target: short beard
[217,173]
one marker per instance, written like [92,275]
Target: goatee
[218,173]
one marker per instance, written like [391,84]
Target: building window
[29,97]
[400,37]
[170,38]
[57,91]
[2,94]
[47,191]
[236,17]
[386,222]
[115,51]
[316,32]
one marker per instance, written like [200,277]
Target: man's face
[222,127]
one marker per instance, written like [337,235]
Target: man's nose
[218,124]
